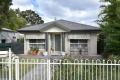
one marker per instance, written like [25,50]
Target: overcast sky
[82,11]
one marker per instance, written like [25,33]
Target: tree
[31,17]
[4,9]
[110,24]
[15,21]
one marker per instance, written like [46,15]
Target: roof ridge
[78,23]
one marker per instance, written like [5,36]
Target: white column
[93,45]
[67,45]
[61,41]
[49,44]
[26,45]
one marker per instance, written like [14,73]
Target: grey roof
[63,23]
[6,29]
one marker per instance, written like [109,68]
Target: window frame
[77,49]
[36,44]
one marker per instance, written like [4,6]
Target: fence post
[16,68]
[48,70]
[10,62]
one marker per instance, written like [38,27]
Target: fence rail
[59,69]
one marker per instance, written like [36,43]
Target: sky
[81,11]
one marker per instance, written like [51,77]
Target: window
[37,43]
[3,41]
[79,45]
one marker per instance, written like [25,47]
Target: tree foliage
[4,10]
[15,20]
[110,24]
[8,17]
[31,17]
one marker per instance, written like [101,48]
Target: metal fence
[17,47]
[15,68]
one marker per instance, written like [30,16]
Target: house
[61,36]
[11,39]
[9,36]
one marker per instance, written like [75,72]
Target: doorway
[56,42]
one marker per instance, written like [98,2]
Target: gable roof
[67,25]
[55,24]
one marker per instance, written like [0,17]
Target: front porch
[55,44]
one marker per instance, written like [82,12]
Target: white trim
[35,35]
[36,44]
[78,46]
[54,29]
[78,36]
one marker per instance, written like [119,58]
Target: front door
[57,42]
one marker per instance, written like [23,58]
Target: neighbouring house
[61,36]
[11,39]
[9,36]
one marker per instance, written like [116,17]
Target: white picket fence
[58,69]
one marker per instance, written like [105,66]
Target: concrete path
[37,73]
[40,71]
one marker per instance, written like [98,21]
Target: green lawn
[85,72]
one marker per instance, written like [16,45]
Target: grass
[85,72]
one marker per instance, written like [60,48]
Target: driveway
[37,73]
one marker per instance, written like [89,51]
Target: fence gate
[15,68]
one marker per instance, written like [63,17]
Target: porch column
[49,43]
[46,38]
[67,44]
[63,42]
[26,46]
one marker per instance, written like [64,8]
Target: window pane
[32,40]
[40,41]
[37,43]
[82,41]
[38,46]
[79,45]
[36,40]
[73,40]
[78,40]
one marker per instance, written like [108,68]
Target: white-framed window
[79,45]
[37,43]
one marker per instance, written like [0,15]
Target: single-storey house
[9,36]
[61,36]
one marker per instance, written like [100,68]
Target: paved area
[37,73]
